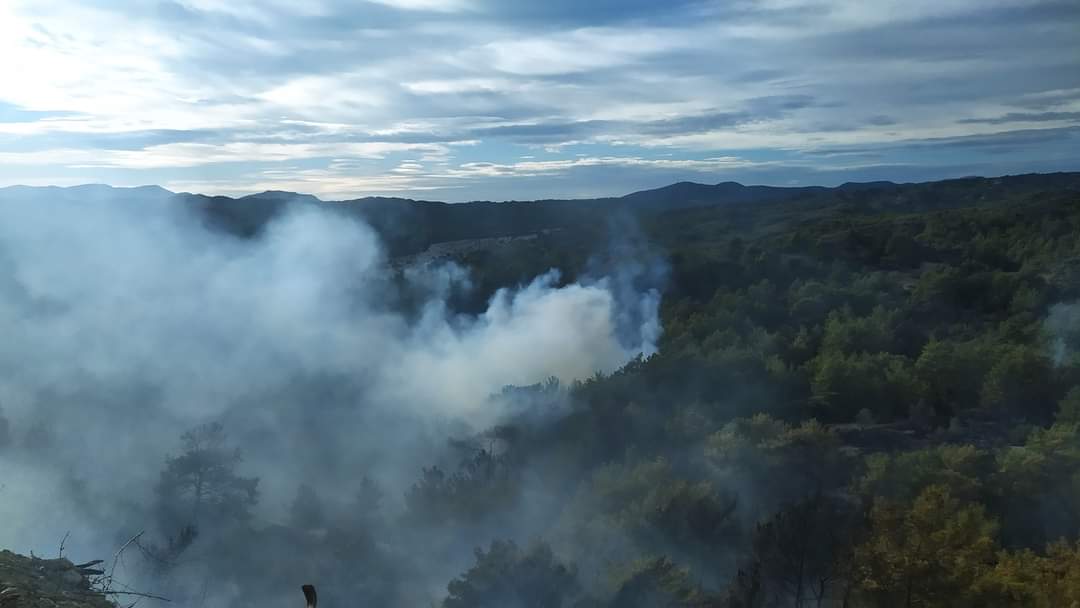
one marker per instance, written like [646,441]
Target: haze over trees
[200,487]
[863,397]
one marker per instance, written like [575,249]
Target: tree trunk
[195,508]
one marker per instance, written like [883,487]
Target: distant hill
[410,226]
[691,194]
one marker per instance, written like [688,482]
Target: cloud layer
[343,99]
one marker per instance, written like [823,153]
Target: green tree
[1069,407]
[658,582]
[950,375]
[504,576]
[849,334]
[783,463]
[650,507]
[484,483]
[1025,579]
[804,551]
[968,473]
[842,385]
[1044,473]
[1020,382]
[201,486]
[932,553]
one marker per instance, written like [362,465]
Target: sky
[497,99]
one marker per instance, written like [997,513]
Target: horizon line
[580,198]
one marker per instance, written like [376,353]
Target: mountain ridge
[674,191]
[410,226]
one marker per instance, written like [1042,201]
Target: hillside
[411,226]
[859,394]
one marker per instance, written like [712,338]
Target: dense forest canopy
[863,396]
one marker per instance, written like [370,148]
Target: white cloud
[535,167]
[463,85]
[576,51]
[445,6]
[315,97]
[195,154]
[307,75]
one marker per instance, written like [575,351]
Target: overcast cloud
[464,99]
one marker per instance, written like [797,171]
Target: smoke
[126,321]
[633,272]
[524,336]
[1062,325]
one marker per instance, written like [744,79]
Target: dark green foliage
[782,463]
[842,385]
[505,576]
[485,483]
[658,583]
[803,553]
[966,471]
[835,370]
[933,552]
[1069,407]
[1020,383]
[745,590]
[653,507]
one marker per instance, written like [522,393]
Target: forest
[861,397]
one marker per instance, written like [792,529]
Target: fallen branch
[87,569]
[139,594]
[134,593]
[102,583]
[116,559]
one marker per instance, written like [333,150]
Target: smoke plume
[126,321]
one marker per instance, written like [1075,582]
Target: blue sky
[488,99]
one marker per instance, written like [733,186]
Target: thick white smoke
[125,321]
